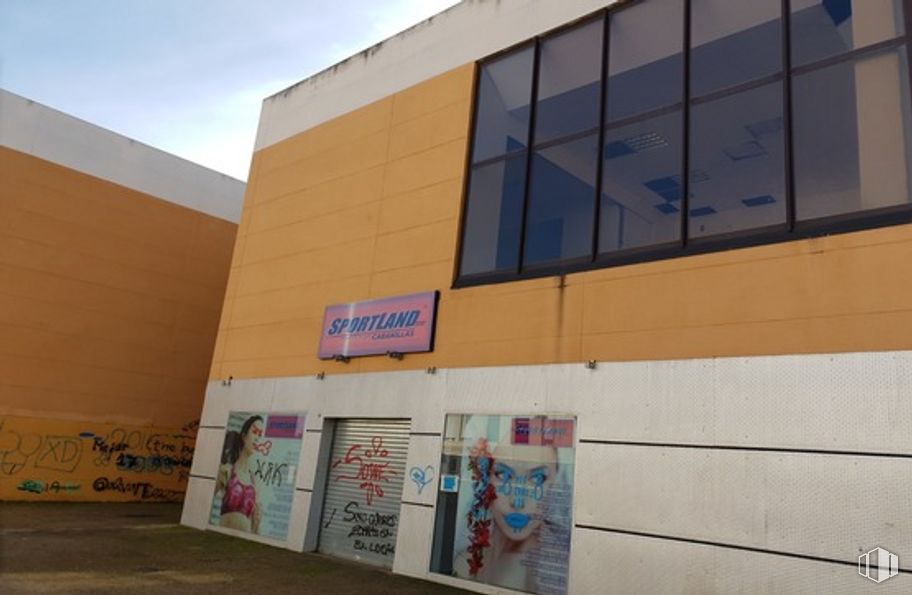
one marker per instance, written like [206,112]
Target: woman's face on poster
[521,477]
[252,437]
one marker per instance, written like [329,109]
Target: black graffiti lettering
[99,444]
[373,519]
[368,531]
[383,549]
[140,489]
[371,526]
[151,464]
[270,473]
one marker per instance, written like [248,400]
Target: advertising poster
[505,497]
[254,488]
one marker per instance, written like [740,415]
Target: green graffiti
[57,487]
[30,485]
[54,487]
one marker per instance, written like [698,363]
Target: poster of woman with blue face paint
[512,500]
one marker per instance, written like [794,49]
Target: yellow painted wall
[367,206]
[109,304]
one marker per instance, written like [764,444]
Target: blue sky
[185,76]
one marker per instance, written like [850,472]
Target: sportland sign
[396,325]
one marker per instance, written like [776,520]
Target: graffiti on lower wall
[366,527]
[48,459]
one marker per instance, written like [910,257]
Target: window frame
[791,230]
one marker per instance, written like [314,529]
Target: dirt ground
[140,548]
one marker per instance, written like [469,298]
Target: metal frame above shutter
[364,490]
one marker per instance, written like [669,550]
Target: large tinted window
[497,178]
[560,217]
[642,153]
[668,127]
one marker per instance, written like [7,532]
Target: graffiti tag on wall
[47,458]
[365,529]
[368,466]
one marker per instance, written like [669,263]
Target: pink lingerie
[239,497]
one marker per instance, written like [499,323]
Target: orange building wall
[109,305]
[367,206]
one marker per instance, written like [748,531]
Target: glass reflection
[641,184]
[852,136]
[824,28]
[569,82]
[493,215]
[504,95]
[734,42]
[645,71]
[562,202]
[737,178]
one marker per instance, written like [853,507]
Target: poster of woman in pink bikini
[254,487]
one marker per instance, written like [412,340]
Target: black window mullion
[790,209]
[533,102]
[467,172]
[907,34]
[685,131]
[850,56]
[603,102]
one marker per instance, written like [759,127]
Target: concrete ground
[140,548]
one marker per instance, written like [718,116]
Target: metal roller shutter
[364,490]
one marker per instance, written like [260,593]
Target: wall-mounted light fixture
[342,359]
[431,370]
[227,381]
[592,364]
[321,375]
[395,355]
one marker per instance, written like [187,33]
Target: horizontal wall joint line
[732,546]
[422,505]
[777,449]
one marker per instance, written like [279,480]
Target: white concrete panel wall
[465,33]
[48,134]
[808,504]
[413,540]
[631,564]
[754,475]
[197,502]
[423,460]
